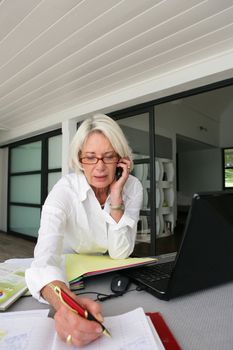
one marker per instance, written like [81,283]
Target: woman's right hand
[81,330]
[68,323]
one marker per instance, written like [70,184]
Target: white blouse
[72,220]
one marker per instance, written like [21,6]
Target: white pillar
[69,128]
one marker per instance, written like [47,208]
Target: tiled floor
[15,247]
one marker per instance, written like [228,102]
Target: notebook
[205,256]
[131,330]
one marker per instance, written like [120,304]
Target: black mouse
[120,284]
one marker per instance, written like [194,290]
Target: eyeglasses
[94,160]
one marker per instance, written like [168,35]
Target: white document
[30,333]
[22,262]
[23,314]
[130,331]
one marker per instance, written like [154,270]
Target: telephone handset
[119,171]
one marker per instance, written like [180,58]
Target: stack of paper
[79,266]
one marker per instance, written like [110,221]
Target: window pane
[143,229]
[55,151]
[25,189]
[136,130]
[24,220]
[228,157]
[52,179]
[228,177]
[26,157]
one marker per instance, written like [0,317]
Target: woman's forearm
[49,295]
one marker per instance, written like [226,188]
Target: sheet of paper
[25,314]
[35,333]
[22,262]
[130,331]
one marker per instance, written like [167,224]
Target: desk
[200,321]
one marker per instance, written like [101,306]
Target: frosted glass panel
[25,189]
[26,157]
[136,129]
[52,179]
[55,144]
[24,220]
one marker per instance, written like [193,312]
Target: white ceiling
[56,54]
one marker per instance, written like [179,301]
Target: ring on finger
[69,339]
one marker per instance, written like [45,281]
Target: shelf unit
[164,197]
[141,171]
[164,170]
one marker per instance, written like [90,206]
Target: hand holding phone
[119,171]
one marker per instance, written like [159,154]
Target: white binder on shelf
[165,197]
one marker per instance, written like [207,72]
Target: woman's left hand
[117,185]
[125,165]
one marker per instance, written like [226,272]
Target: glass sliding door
[25,188]
[138,128]
[54,160]
[34,167]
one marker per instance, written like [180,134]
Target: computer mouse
[120,284]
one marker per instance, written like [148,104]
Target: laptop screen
[205,257]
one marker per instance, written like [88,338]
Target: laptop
[205,256]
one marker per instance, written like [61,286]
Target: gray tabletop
[199,321]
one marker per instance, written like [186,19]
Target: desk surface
[200,321]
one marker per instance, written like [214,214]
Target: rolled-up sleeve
[122,235]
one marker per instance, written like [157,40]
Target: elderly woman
[89,211]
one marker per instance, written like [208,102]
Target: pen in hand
[75,307]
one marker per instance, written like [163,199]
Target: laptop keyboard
[153,273]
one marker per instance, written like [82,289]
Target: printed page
[12,284]
[29,333]
[130,331]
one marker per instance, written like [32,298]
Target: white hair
[109,128]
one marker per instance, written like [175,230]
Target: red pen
[75,307]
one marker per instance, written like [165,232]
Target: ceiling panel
[57,54]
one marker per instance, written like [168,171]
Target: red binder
[165,334]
